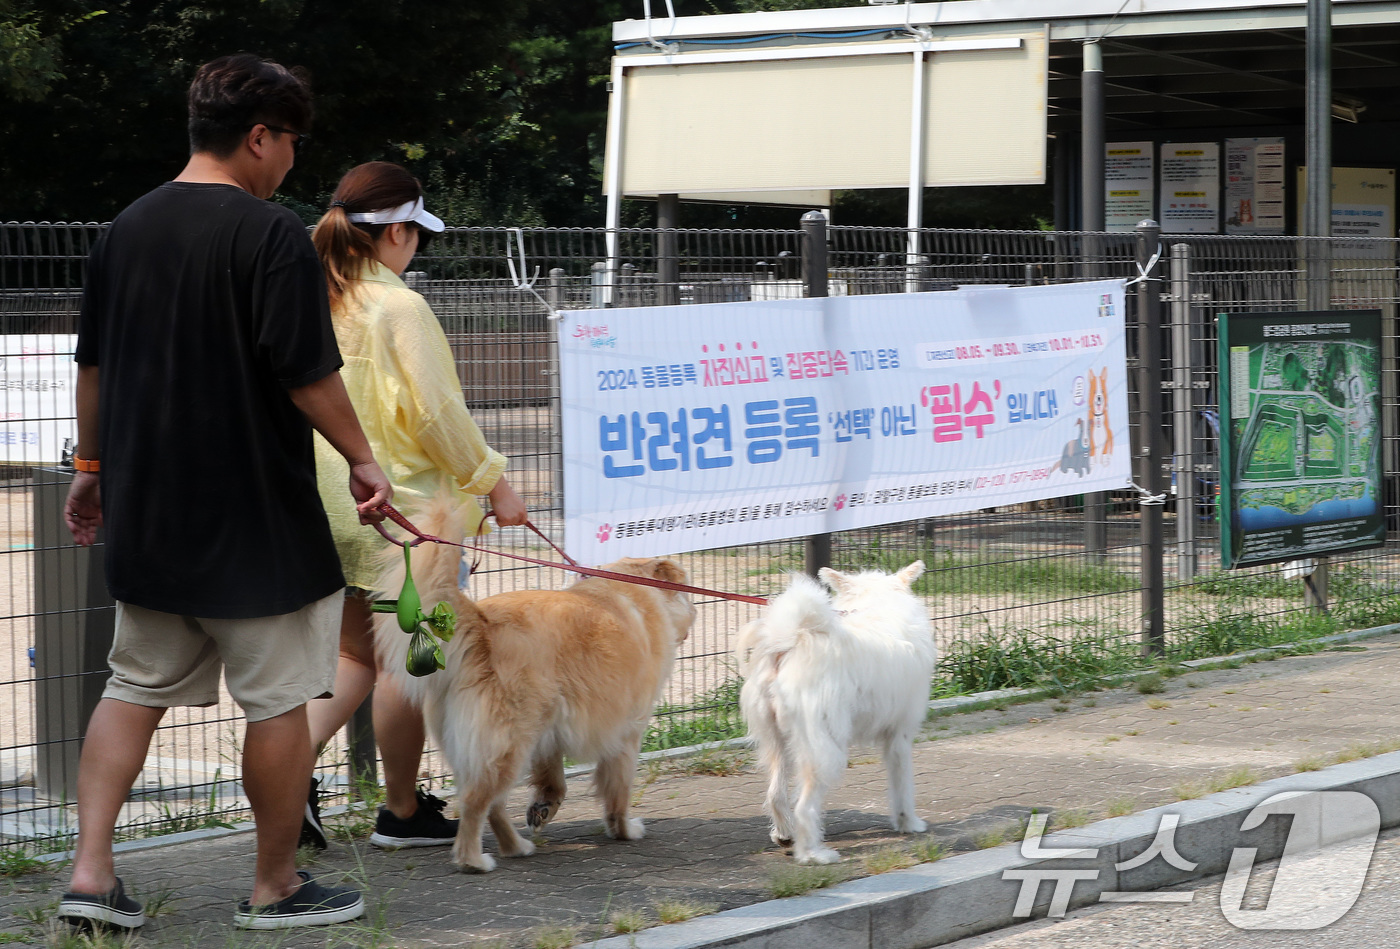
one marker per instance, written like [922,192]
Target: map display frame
[1300,449]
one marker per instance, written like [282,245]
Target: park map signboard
[1300,453]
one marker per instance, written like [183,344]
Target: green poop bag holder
[428,630]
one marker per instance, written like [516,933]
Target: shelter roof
[1168,64]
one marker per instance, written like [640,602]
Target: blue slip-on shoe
[311,905]
[113,908]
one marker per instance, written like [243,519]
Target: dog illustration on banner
[1100,434]
[1075,457]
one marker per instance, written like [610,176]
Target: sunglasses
[301,137]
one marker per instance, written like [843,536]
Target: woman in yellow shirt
[403,383]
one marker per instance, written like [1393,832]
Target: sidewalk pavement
[980,775]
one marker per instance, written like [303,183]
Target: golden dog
[534,675]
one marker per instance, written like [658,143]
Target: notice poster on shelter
[1190,180]
[1127,183]
[1363,211]
[714,425]
[1301,447]
[1254,186]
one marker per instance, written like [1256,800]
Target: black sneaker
[113,908]
[311,905]
[312,833]
[426,828]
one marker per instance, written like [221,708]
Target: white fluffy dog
[822,673]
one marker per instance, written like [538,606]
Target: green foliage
[1264,582]
[500,108]
[713,716]
[793,879]
[1150,684]
[1022,658]
[950,573]
[18,861]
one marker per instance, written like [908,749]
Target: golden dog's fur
[534,675]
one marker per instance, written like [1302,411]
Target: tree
[500,108]
[393,78]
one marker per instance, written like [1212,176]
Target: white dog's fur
[822,673]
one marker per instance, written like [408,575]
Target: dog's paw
[540,813]
[820,855]
[521,848]
[482,864]
[780,839]
[909,824]
[627,829]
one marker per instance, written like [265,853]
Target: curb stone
[967,894]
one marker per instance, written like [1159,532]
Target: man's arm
[82,511]
[327,406]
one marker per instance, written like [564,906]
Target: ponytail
[347,249]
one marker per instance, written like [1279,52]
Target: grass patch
[556,936]
[717,762]
[1188,790]
[1234,778]
[1024,658]
[1359,750]
[713,716]
[1120,806]
[891,858]
[794,879]
[1224,781]
[1067,819]
[18,861]
[1310,763]
[929,850]
[1150,684]
[1158,704]
[999,835]
[625,921]
[678,911]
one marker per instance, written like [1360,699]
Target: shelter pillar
[1091,198]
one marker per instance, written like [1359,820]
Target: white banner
[37,410]
[687,428]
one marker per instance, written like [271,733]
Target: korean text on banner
[37,412]
[688,428]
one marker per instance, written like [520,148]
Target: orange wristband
[83,464]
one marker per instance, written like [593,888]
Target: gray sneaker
[311,905]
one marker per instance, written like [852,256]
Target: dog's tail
[803,608]
[435,570]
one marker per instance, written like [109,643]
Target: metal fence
[1077,576]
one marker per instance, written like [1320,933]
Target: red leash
[573,566]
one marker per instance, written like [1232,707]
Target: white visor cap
[412,211]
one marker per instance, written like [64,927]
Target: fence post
[1149,295]
[555,295]
[668,277]
[364,757]
[817,549]
[1183,413]
[554,290]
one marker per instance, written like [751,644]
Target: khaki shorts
[272,663]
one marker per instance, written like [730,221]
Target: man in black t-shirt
[205,357]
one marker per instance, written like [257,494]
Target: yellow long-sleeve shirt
[403,384]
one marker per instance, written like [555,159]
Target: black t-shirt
[203,305]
